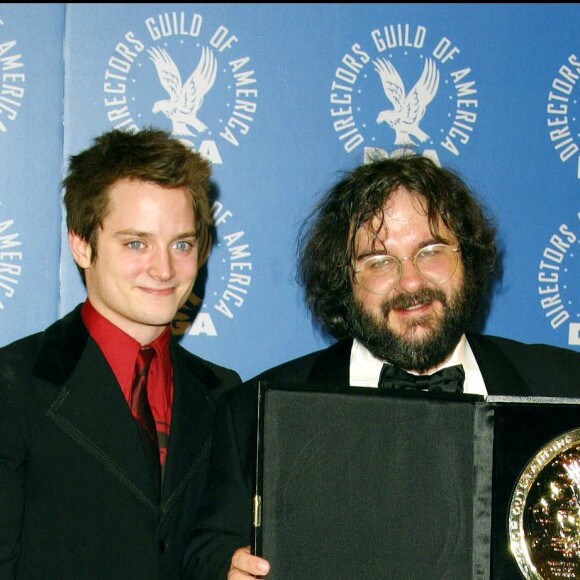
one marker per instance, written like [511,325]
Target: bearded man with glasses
[395,261]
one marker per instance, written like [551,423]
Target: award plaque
[536,489]
[544,512]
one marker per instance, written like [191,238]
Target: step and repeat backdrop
[295,97]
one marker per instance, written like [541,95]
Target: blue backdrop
[295,97]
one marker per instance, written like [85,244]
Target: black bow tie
[449,380]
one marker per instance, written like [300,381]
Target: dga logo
[562,110]
[12,81]
[10,260]
[232,265]
[558,275]
[400,88]
[180,72]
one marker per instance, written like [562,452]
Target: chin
[159,318]
[416,335]
[421,326]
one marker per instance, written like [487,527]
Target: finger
[244,561]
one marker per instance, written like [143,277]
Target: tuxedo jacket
[508,367]
[77,499]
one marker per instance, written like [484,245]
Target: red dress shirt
[120,350]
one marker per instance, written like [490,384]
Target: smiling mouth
[418,307]
[421,299]
[159,291]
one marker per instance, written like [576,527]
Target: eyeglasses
[380,273]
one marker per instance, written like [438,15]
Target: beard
[423,342]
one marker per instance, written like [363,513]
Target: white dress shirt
[365,368]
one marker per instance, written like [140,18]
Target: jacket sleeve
[12,472]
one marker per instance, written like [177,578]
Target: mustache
[405,300]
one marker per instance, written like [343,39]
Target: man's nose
[161,266]
[410,281]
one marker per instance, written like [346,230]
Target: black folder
[362,483]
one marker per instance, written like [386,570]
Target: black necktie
[142,412]
[449,380]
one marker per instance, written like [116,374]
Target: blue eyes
[181,246]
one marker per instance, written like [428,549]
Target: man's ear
[80,249]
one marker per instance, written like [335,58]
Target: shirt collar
[365,368]
[119,348]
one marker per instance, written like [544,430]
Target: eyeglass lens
[435,263]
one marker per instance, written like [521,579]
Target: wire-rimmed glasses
[379,273]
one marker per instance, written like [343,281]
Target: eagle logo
[185,99]
[408,109]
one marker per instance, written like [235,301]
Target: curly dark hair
[326,240]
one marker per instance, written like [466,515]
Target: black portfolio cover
[361,483]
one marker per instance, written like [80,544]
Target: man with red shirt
[80,494]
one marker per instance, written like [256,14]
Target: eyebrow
[143,234]
[423,244]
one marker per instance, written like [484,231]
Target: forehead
[134,203]
[402,219]
[135,192]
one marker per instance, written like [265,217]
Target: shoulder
[327,368]
[297,368]
[51,354]
[545,369]
[301,369]
[292,371]
[210,373]
[539,352]
[62,333]
[22,351]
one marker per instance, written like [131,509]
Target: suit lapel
[89,405]
[332,366]
[191,423]
[499,374]
[92,410]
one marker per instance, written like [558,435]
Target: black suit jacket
[224,520]
[76,495]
